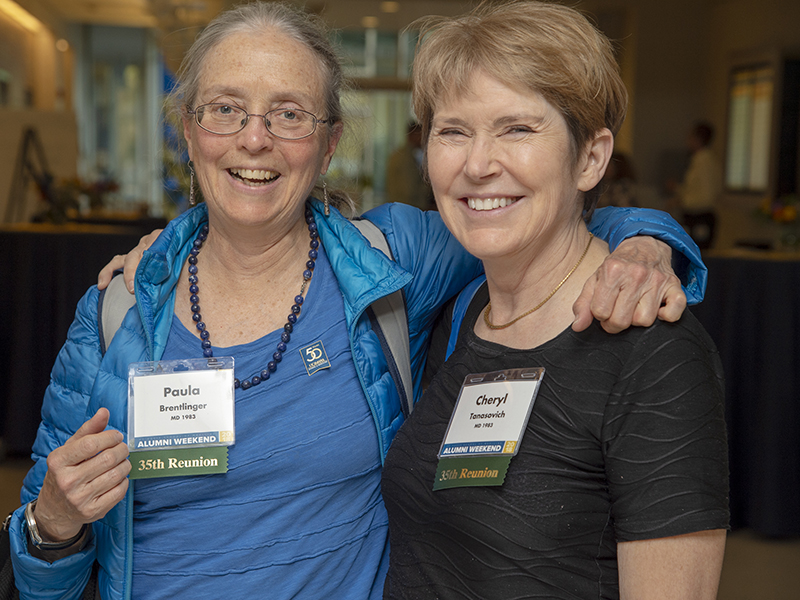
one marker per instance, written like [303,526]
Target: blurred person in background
[404,173]
[697,196]
[619,183]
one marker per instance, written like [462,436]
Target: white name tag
[491,413]
[180,403]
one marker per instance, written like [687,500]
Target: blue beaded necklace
[277,356]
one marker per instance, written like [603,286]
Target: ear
[187,134]
[333,141]
[595,160]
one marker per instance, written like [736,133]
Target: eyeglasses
[284,123]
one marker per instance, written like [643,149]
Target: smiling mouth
[254,177]
[490,203]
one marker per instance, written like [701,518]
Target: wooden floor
[755,568]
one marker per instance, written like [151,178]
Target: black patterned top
[626,441]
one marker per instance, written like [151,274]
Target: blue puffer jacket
[431,267]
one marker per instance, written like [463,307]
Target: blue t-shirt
[299,513]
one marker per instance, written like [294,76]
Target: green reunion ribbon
[179,462]
[471,471]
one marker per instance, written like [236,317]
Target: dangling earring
[192,200]
[326,200]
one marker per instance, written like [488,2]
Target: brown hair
[540,47]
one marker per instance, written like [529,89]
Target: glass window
[749,129]
[375,125]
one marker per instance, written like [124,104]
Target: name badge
[486,427]
[180,417]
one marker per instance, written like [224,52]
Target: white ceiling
[134,13]
[178,21]
[169,15]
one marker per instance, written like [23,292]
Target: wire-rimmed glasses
[284,123]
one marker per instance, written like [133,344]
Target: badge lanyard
[486,427]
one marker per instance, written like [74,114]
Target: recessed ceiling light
[389,6]
[370,22]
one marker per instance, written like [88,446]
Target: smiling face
[251,177]
[502,169]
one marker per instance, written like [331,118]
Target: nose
[481,160]
[255,136]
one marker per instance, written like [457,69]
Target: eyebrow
[448,121]
[499,122]
[291,96]
[511,119]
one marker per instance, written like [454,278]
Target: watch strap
[50,551]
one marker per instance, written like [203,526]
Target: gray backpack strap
[390,323]
[112,306]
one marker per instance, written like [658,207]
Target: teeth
[489,203]
[254,176]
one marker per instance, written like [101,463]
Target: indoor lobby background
[81,90]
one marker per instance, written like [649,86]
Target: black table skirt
[44,271]
[752,311]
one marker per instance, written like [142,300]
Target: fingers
[632,309]
[674,304]
[633,287]
[107,272]
[614,300]
[582,309]
[134,257]
[81,484]
[94,496]
[127,262]
[86,477]
[96,424]
[129,269]
[88,441]
[641,306]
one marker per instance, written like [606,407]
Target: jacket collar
[368,273]
[158,273]
[364,273]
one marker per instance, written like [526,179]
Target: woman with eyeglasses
[266,276]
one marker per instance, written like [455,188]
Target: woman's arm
[86,477]
[636,283]
[682,567]
[634,286]
[617,224]
[665,453]
[76,465]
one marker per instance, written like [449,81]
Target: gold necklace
[541,304]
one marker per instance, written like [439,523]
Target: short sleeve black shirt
[626,441]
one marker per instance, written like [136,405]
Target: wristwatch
[36,539]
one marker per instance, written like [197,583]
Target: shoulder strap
[112,306]
[460,309]
[390,323]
